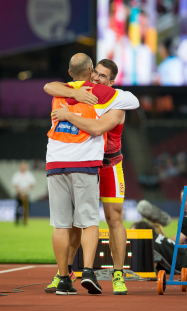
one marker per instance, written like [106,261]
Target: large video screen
[147,39]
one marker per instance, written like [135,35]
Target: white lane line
[17,269]
[46,266]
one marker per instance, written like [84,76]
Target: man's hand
[22,195]
[83,96]
[60,114]
[58,89]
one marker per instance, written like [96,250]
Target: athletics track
[142,294]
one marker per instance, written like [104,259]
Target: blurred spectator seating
[132,188]
[169,165]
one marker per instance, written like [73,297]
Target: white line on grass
[17,269]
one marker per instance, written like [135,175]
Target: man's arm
[183,234]
[58,89]
[94,127]
[182,238]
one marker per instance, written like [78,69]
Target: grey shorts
[74,200]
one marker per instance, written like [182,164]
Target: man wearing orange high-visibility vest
[100,108]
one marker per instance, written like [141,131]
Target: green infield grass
[33,243]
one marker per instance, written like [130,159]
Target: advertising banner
[29,24]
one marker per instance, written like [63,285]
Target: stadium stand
[170,159]
[132,188]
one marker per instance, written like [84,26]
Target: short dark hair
[108,63]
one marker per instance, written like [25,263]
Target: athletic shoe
[65,287]
[89,281]
[72,276]
[119,287]
[153,213]
[51,288]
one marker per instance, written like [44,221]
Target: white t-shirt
[23,180]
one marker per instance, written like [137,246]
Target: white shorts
[74,200]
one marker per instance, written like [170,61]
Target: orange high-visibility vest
[65,131]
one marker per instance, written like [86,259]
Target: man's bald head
[79,66]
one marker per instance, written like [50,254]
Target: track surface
[142,295]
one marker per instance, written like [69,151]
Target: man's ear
[111,82]
[70,73]
[90,70]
